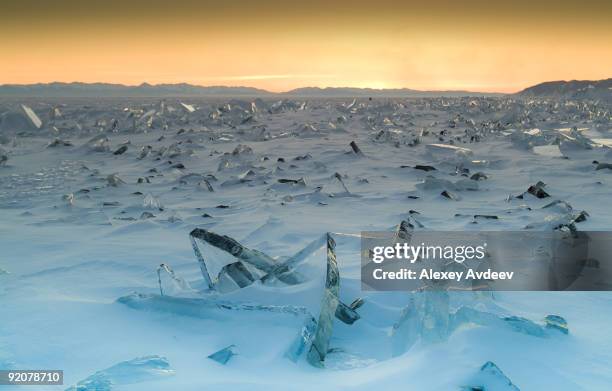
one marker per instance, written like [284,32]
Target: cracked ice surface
[276,176]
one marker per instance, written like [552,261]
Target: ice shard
[556,322]
[187,107]
[114,180]
[224,355]
[178,282]
[3,156]
[201,307]
[339,178]
[490,378]
[32,117]
[98,143]
[303,339]
[427,317]
[320,344]
[138,370]
[243,254]
[355,148]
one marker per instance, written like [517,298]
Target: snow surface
[78,231]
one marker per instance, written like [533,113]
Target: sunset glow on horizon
[278,46]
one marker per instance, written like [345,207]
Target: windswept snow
[97,268]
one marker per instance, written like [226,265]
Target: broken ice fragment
[346,314]
[121,150]
[449,195]
[151,202]
[138,370]
[145,151]
[538,190]
[224,243]
[523,325]
[339,178]
[114,180]
[224,355]
[479,176]
[207,185]
[3,156]
[601,166]
[357,303]
[355,148]
[300,181]
[320,345]
[490,378]
[448,150]
[31,115]
[188,108]
[424,167]
[580,217]
[69,198]
[146,215]
[99,143]
[59,143]
[179,282]
[304,338]
[489,217]
[556,322]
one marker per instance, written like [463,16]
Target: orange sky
[280,45]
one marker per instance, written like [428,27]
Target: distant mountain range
[341,92]
[575,89]
[189,90]
[119,90]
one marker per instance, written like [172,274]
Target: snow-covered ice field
[84,222]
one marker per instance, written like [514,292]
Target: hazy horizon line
[145,83]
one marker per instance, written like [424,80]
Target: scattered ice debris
[573,140]
[114,180]
[224,355]
[490,378]
[141,369]
[31,115]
